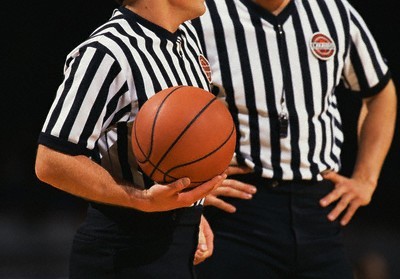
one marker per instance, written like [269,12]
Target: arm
[79,176]
[375,137]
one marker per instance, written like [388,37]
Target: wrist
[136,198]
[368,180]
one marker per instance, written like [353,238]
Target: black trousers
[282,232]
[120,243]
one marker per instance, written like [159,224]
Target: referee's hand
[349,193]
[177,194]
[231,188]
[205,246]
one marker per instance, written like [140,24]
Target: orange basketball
[183,131]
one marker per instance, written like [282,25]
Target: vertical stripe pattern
[108,78]
[264,64]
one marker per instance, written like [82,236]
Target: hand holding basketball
[176,194]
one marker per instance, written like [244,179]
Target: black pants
[282,232]
[120,243]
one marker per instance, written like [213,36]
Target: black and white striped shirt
[291,63]
[106,80]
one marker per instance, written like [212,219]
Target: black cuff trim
[377,88]
[63,146]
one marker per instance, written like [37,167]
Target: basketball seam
[199,159]
[181,135]
[147,157]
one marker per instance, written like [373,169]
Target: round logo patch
[322,46]
[205,66]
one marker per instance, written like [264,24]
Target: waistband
[271,183]
[106,220]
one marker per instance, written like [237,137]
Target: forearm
[79,176]
[375,136]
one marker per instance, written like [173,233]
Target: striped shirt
[107,79]
[268,66]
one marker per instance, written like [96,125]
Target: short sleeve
[365,70]
[92,96]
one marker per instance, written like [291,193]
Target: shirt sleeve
[365,70]
[92,96]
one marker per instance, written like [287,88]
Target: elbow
[40,170]
[42,166]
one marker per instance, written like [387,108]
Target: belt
[257,180]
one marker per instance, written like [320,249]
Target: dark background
[37,221]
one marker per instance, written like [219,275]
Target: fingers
[199,257]
[349,193]
[179,185]
[339,190]
[202,250]
[205,245]
[235,189]
[332,196]
[229,190]
[232,193]
[340,207]
[339,194]
[196,193]
[237,170]
[349,213]
[346,205]
[333,176]
[238,186]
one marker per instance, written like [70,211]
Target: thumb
[202,245]
[332,176]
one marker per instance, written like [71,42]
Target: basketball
[183,131]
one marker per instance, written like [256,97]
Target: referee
[132,230]
[278,62]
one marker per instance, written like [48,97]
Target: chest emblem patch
[205,66]
[322,46]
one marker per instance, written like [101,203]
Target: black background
[37,221]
